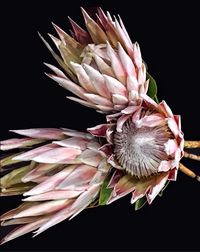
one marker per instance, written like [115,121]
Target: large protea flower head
[138,150]
[101,65]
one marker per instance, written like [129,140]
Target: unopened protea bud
[102,66]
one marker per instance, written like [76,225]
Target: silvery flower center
[140,150]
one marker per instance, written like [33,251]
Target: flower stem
[188,172]
[192,144]
[191,156]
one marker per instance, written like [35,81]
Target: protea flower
[138,150]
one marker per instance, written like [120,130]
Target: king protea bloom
[137,151]
[101,65]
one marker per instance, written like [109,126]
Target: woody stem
[191,156]
[188,172]
[192,144]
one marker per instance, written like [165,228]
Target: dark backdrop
[168,36]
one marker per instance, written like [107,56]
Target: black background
[169,39]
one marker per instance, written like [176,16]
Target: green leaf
[152,90]
[105,192]
[140,203]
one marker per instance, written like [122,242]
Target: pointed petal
[90,157]
[99,130]
[18,143]
[119,99]
[114,86]
[97,99]
[73,142]
[57,71]
[104,68]
[97,81]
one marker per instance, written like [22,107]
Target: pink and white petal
[156,187]
[136,115]
[24,229]
[97,81]
[119,99]
[59,155]
[104,109]
[137,57]
[116,64]
[165,165]
[114,86]
[73,142]
[75,133]
[121,122]
[137,195]
[113,117]
[90,157]
[55,195]
[150,121]
[43,208]
[80,176]
[173,126]
[83,78]
[165,109]
[119,107]
[99,130]
[29,155]
[52,182]
[132,83]
[69,85]
[85,199]
[57,71]
[130,110]
[171,146]
[142,74]
[97,99]
[104,68]
[18,143]
[124,29]
[126,61]
[43,133]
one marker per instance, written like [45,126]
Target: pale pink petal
[142,74]
[73,142]
[150,121]
[171,146]
[57,71]
[43,133]
[121,122]
[119,99]
[59,155]
[43,208]
[80,176]
[173,126]
[112,161]
[107,149]
[104,68]
[57,218]
[104,109]
[130,110]
[97,81]
[18,143]
[85,199]
[75,133]
[116,64]
[24,229]
[97,99]
[165,166]
[69,85]
[165,109]
[114,86]
[126,62]
[99,130]
[83,78]
[90,157]
[54,195]
[29,155]
[52,182]
[132,83]
[137,57]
